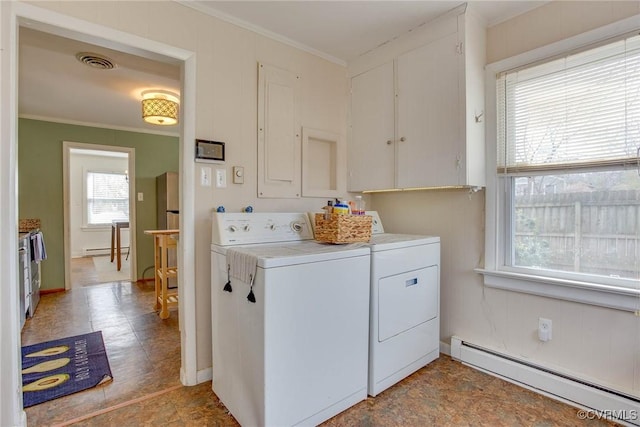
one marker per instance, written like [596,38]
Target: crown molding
[259,30]
[98,125]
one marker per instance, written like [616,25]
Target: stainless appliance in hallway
[31,252]
[168,202]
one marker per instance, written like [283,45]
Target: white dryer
[298,354]
[405,305]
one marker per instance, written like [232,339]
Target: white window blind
[107,197]
[578,111]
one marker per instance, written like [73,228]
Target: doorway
[12,16]
[99,215]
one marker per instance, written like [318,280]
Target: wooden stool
[164,241]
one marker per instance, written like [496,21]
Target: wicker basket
[29,224]
[343,228]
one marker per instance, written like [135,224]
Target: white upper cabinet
[371,149]
[417,119]
[428,115]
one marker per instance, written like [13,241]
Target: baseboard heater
[600,402]
[101,251]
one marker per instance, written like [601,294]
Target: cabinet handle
[638,160]
[389,142]
[403,139]
[22,250]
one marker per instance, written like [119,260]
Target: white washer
[405,305]
[298,355]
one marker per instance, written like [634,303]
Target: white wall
[226,86]
[552,22]
[81,237]
[593,343]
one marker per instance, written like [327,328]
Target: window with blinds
[107,197]
[578,111]
[568,144]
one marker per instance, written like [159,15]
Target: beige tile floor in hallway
[144,354]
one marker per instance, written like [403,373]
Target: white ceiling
[54,85]
[343,30]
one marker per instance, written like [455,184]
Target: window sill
[619,298]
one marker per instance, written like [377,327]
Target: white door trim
[12,15]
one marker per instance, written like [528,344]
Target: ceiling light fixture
[160,107]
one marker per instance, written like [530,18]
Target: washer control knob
[233,228]
[272,227]
[246,228]
[296,226]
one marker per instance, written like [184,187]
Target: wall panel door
[279,141]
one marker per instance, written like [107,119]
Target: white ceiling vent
[95,60]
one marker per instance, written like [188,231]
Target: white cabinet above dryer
[371,149]
[417,108]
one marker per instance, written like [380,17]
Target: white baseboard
[599,402]
[204,375]
[445,348]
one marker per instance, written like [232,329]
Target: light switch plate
[140,197]
[221,178]
[205,176]
[238,175]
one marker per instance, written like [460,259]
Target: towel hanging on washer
[241,266]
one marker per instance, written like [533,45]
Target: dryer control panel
[242,228]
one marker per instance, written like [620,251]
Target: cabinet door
[279,155]
[429,120]
[371,151]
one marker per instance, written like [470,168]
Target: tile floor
[144,353]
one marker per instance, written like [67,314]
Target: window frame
[85,198]
[621,294]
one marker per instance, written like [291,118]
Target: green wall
[40,183]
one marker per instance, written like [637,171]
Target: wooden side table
[116,226]
[163,241]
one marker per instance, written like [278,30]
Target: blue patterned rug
[57,368]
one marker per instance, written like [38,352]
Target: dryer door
[406,300]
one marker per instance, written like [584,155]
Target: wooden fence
[597,232]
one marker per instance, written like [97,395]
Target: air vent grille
[95,60]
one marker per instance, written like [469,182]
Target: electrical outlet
[545,329]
